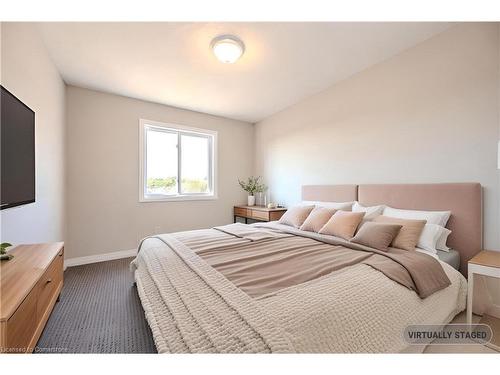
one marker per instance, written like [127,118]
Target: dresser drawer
[22,325]
[49,283]
[240,211]
[260,215]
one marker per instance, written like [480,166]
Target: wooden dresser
[259,213]
[30,284]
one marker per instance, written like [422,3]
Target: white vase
[251,200]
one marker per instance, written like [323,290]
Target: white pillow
[429,237]
[344,206]
[370,212]
[432,238]
[432,217]
[441,242]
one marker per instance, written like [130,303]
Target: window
[177,162]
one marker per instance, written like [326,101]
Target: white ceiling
[171,63]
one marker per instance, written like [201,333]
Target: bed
[271,288]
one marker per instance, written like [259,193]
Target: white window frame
[179,130]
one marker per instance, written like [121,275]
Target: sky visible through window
[162,174]
[195,164]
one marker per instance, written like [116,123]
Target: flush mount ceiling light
[227,48]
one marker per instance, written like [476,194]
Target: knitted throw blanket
[192,308]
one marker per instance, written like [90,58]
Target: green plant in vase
[252,185]
[3,251]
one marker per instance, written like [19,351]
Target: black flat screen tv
[18,151]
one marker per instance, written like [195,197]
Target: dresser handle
[60,254]
[48,281]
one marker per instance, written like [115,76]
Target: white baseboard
[99,258]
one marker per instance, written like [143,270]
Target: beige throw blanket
[192,307]
[302,256]
[252,233]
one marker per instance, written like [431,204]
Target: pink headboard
[330,193]
[464,200]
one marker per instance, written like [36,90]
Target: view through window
[177,163]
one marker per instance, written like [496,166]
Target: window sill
[178,198]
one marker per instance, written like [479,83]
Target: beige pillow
[409,234]
[377,235]
[342,224]
[317,219]
[296,215]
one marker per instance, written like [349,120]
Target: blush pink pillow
[317,219]
[409,234]
[343,224]
[296,215]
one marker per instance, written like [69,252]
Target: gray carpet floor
[99,312]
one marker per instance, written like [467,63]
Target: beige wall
[104,214]
[429,114]
[28,72]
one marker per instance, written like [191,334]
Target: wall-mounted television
[18,151]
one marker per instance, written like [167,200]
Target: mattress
[452,257]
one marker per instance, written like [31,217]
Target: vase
[6,256]
[258,199]
[251,200]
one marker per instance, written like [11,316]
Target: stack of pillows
[379,227]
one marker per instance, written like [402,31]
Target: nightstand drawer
[259,215]
[276,215]
[240,211]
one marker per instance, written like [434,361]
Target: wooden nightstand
[485,263]
[259,213]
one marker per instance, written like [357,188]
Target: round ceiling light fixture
[227,48]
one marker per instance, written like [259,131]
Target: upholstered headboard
[464,200]
[330,193]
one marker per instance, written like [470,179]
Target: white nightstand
[485,263]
